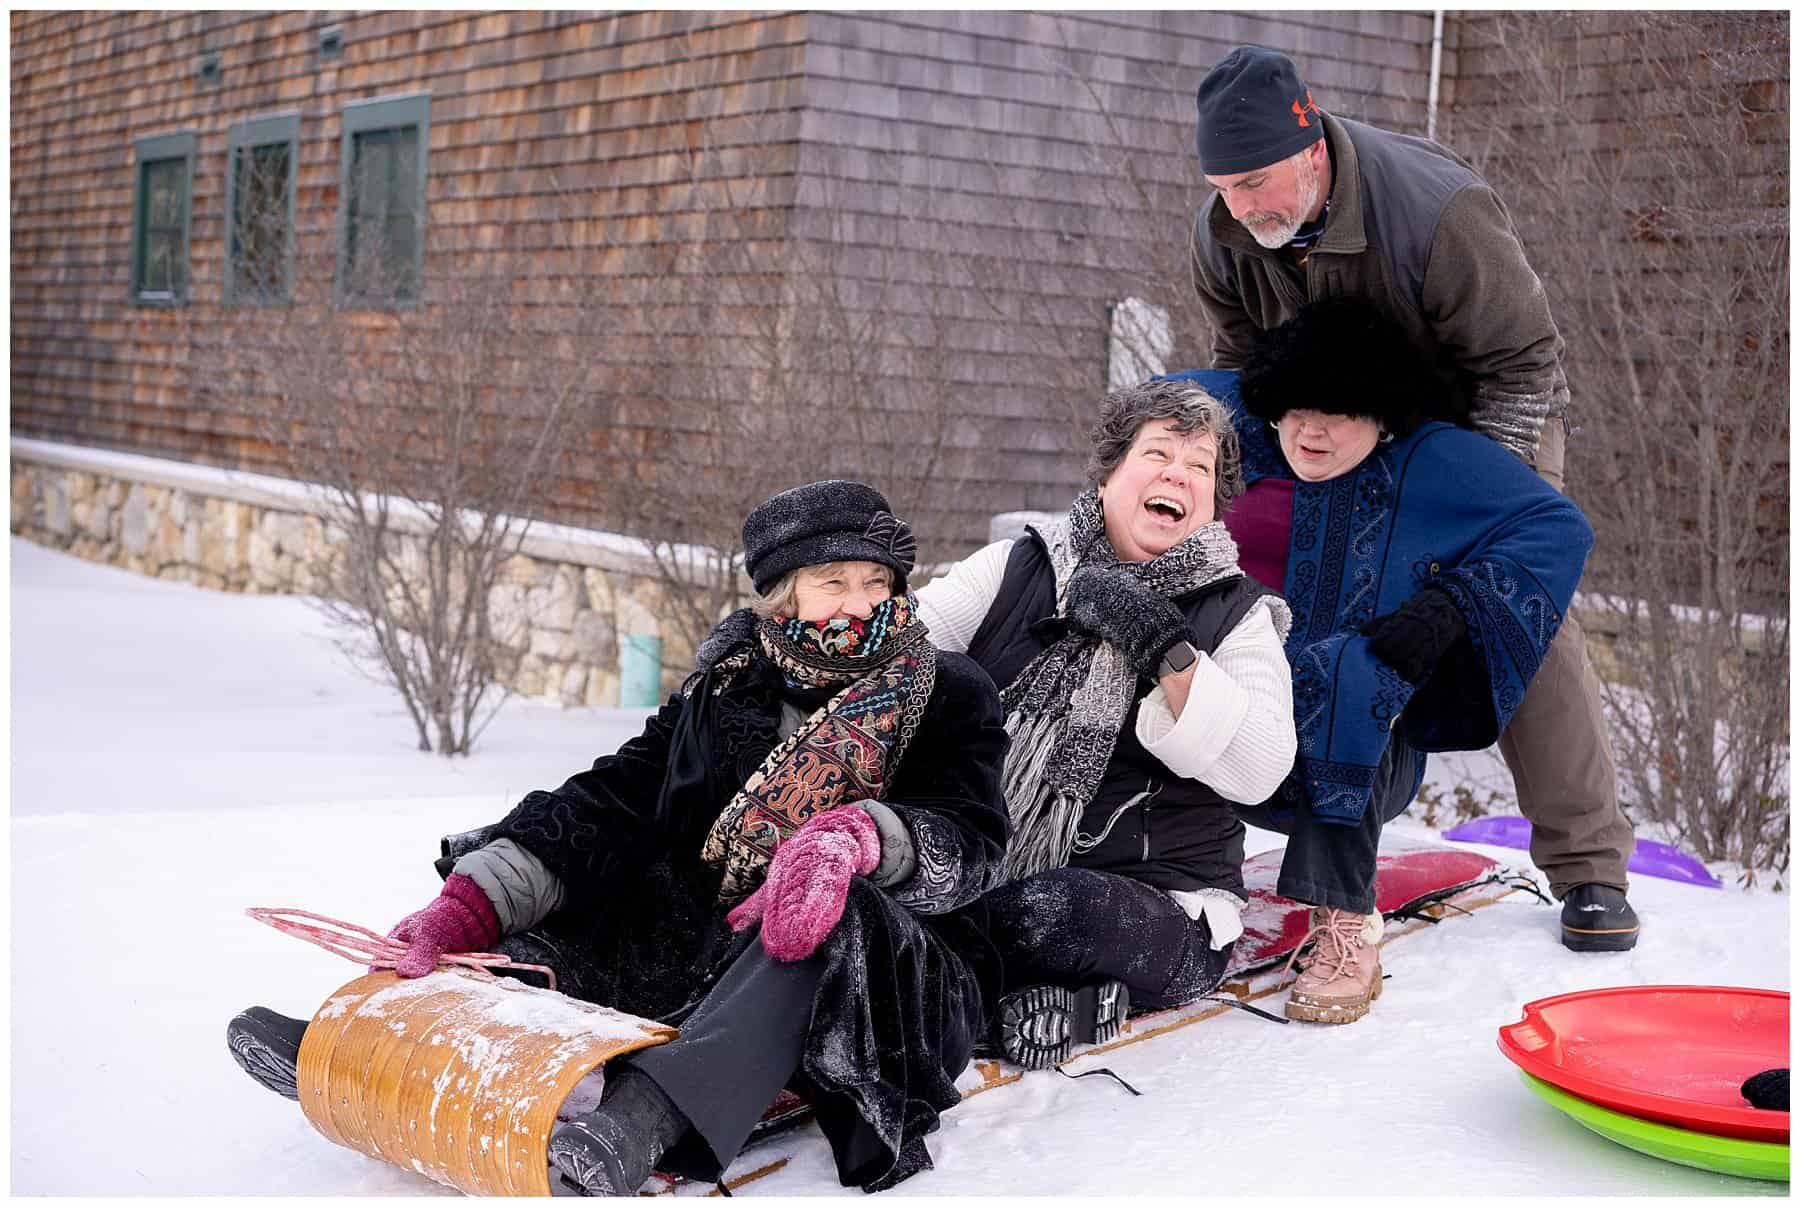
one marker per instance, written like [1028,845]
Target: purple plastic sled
[1651,858]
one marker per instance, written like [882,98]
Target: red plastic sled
[1405,875]
[1677,1054]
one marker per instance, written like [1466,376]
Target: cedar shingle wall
[964,134]
[1000,144]
[527,109]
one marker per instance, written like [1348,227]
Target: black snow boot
[266,1045]
[1041,1024]
[612,1149]
[1596,917]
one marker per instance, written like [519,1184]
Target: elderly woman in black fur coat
[826,786]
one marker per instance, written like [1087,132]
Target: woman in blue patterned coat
[1427,570]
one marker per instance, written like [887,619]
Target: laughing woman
[1145,691]
[826,784]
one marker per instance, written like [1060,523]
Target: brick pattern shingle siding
[946,134]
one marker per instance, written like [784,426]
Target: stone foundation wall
[567,604]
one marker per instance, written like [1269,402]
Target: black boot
[266,1045]
[612,1149]
[1040,1025]
[1596,917]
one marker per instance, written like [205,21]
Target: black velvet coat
[641,930]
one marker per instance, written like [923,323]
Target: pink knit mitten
[802,897]
[460,919]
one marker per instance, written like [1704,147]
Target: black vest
[1178,833]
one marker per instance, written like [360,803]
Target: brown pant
[1558,752]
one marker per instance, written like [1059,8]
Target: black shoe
[1596,917]
[612,1149]
[266,1045]
[1040,1025]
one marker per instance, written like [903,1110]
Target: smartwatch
[1179,657]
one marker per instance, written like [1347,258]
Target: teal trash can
[640,671]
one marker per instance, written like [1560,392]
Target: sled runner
[1416,885]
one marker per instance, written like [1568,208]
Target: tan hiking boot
[1340,968]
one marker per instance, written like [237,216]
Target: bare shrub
[1645,158]
[434,418]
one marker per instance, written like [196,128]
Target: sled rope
[1414,911]
[1227,1000]
[368,948]
[1135,1092]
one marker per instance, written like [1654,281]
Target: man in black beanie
[1310,206]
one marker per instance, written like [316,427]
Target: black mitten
[1116,606]
[1415,635]
[1768,1090]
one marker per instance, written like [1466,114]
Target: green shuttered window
[262,161]
[162,210]
[381,259]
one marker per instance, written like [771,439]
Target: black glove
[1417,634]
[1116,606]
[1768,1090]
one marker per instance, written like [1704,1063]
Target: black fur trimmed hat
[1344,356]
[1254,111]
[836,521]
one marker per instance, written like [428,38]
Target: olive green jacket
[1415,230]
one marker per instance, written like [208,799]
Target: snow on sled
[1675,1054]
[1416,885]
[459,1075]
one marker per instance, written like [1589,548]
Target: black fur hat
[1344,356]
[836,521]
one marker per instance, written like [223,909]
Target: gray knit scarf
[1064,711]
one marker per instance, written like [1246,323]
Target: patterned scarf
[1064,711]
[848,750]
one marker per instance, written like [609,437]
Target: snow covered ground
[179,755]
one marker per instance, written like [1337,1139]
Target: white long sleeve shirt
[1236,734]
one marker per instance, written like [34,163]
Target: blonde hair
[781,600]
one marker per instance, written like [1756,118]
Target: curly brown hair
[1188,409]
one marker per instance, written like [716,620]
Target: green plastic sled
[1718,1154]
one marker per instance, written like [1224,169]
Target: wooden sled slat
[458,1075]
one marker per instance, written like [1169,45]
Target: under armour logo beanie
[1254,111]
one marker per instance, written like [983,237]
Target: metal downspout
[1437,68]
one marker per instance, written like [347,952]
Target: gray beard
[1276,237]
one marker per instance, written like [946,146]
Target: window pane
[260,232]
[406,168]
[162,262]
[162,250]
[369,180]
[163,182]
[401,248]
[382,239]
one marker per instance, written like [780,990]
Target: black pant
[736,1051]
[1334,865]
[1073,926]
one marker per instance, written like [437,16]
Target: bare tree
[435,415]
[1663,242]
